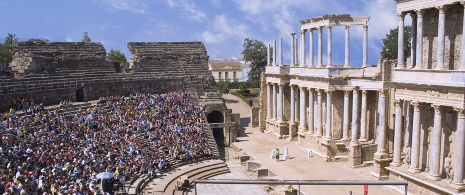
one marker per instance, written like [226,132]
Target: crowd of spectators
[51,152]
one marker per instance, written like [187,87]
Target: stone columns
[413,53]
[274,52]
[302,121]
[292,105]
[268,60]
[459,154]
[382,122]
[311,61]
[292,49]
[462,49]
[319,106]
[363,118]
[280,51]
[330,46]
[355,119]
[329,115]
[419,63]
[400,41]
[302,48]
[296,53]
[365,46]
[268,101]
[436,145]
[275,89]
[441,38]
[320,47]
[414,159]
[346,122]
[280,103]
[310,111]
[347,48]
[397,161]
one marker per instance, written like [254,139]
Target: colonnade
[436,145]
[312,123]
[417,40]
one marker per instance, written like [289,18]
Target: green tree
[5,53]
[118,56]
[86,38]
[389,50]
[255,53]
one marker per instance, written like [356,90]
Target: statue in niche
[407,156]
[448,166]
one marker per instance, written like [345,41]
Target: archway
[218,133]
[79,95]
[117,67]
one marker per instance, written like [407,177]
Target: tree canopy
[86,38]
[389,50]
[5,53]
[254,51]
[118,56]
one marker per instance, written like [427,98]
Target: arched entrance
[117,67]
[79,95]
[218,133]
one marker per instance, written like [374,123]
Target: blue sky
[221,25]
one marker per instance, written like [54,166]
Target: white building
[226,71]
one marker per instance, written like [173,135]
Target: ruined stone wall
[337,100]
[49,57]
[262,103]
[453,36]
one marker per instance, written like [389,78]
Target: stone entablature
[410,5]
[334,20]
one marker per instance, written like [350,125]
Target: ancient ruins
[406,119]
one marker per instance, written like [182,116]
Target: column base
[311,66]
[328,139]
[345,139]
[320,66]
[414,170]
[317,135]
[365,65]
[362,139]
[440,67]
[347,66]
[400,66]
[293,65]
[434,178]
[329,66]
[396,164]
[460,187]
[354,143]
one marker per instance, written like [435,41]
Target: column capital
[355,89]
[281,84]
[320,29]
[329,27]
[364,93]
[397,103]
[460,112]
[291,86]
[301,87]
[303,31]
[310,30]
[417,105]
[347,92]
[401,16]
[441,9]
[365,27]
[318,91]
[347,27]
[328,91]
[310,89]
[382,92]
[420,13]
[293,35]
[438,109]
[413,15]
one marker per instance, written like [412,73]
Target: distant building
[226,71]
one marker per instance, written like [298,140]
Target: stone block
[262,173]
[244,158]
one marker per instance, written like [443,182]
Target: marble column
[275,101]
[355,119]
[292,49]
[415,152]
[408,124]
[382,123]
[280,51]
[311,60]
[268,101]
[296,53]
[303,60]
[363,118]
[280,103]
[400,41]
[346,122]
[320,47]
[268,60]
[274,53]
[459,154]
[310,111]
[330,46]
[292,105]
[319,106]
[302,121]
[347,48]
[365,46]
[329,115]
[413,53]
[435,156]
[397,161]
[441,38]
[419,63]
[462,49]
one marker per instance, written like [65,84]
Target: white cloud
[189,9]
[69,39]
[223,28]
[134,6]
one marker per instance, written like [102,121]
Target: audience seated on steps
[49,152]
